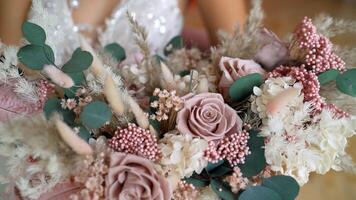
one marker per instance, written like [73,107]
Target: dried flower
[133,177]
[185,191]
[236,181]
[135,140]
[207,116]
[315,50]
[182,154]
[233,148]
[235,68]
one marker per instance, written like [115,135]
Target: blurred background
[281,17]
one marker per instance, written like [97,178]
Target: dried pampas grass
[242,43]
[33,150]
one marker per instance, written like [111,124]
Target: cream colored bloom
[182,154]
[294,148]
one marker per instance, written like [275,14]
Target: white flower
[182,154]
[299,143]
[270,89]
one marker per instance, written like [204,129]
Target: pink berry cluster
[43,89]
[315,49]
[307,78]
[311,88]
[233,148]
[135,140]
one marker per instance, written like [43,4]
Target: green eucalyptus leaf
[222,189]
[84,133]
[53,105]
[220,170]
[197,182]
[70,92]
[328,76]
[78,77]
[259,193]
[256,161]
[34,56]
[95,114]
[243,87]
[173,44]
[49,54]
[286,186]
[346,82]
[212,166]
[80,61]
[156,125]
[33,33]
[158,58]
[116,51]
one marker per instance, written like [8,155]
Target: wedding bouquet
[250,120]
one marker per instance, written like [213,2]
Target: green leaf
[256,161]
[70,92]
[197,182]
[286,186]
[219,169]
[84,133]
[78,77]
[328,76]
[173,44]
[53,105]
[346,82]
[184,73]
[156,125]
[33,33]
[95,114]
[80,61]
[222,189]
[49,53]
[243,87]
[158,58]
[258,193]
[34,56]
[116,51]
[212,166]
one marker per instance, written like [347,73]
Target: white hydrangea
[182,154]
[271,88]
[299,144]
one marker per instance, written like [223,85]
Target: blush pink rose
[132,177]
[234,68]
[207,116]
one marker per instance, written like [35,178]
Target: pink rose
[207,116]
[233,69]
[273,51]
[132,177]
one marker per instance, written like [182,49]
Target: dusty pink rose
[234,68]
[132,177]
[273,51]
[207,116]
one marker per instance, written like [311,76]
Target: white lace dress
[161,18]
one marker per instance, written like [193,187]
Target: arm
[12,15]
[222,15]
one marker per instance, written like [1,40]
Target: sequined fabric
[161,18]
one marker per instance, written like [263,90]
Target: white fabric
[161,18]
